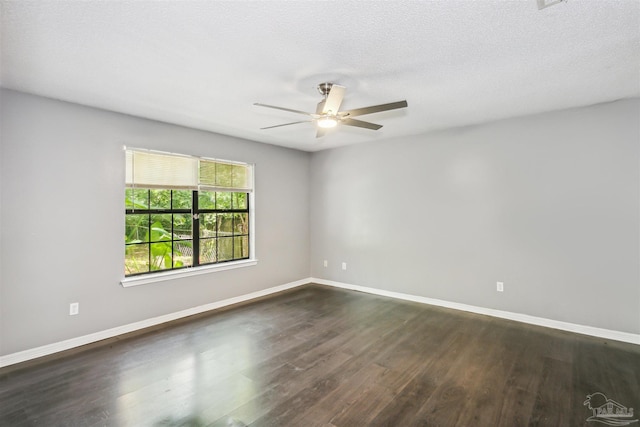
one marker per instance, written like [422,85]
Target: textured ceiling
[203,64]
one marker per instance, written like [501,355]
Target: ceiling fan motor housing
[325,88]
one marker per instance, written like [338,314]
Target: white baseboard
[48,349]
[539,321]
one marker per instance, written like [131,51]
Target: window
[183,211]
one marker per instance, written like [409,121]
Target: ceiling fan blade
[284,109]
[320,132]
[286,124]
[374,109]
[360,124]
[320,107]
[334,99]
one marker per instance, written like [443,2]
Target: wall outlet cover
[74,308]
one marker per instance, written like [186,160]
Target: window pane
[136,228]
[206,200]
[182,226]
[239,200]
[128,198]
[241,247]
[225,224]
[208,251]
[241,223]
[136,259]
[136,198]
[165,241]
[182,199]
[160,199]
[223,200]
[182,253]
[225,248]
[160,256]
[208,225]
[160,227]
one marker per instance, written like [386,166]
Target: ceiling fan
[328,114]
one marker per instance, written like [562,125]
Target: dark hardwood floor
[318,356]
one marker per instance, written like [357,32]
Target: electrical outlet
[344,265]
[326,263]
[74,308]
[499,286]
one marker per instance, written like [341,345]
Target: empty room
[319,213]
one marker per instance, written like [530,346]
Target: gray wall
[548,204]
[62,191]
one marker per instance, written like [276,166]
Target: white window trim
[161,276]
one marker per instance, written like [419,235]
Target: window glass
[208,251]
[240,223]
[136,259]
[206,200]
[160,199]
[182,226]
[225,224]
[239,200]
[137,198]
[223,200]
[161,256]
[182,253]
[137,228]
[160,228]
[208,225]
[181,199]
[163,236]
[241,247]
[225,248]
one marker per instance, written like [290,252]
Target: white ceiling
[203,64]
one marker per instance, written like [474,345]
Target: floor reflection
[193,390]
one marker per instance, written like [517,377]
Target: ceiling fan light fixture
[328,113]
[327,122]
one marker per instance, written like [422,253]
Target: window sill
[187,272]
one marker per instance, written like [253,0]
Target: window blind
[216,175]
[153,169]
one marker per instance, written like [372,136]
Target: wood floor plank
[446,383]
[522,382]
[283,414]
[429,377]
[325,357]
[335,403]
[616,374]
[365,408]
[554,396]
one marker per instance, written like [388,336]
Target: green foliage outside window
[160,230]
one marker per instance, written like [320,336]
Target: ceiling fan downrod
[325,88]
